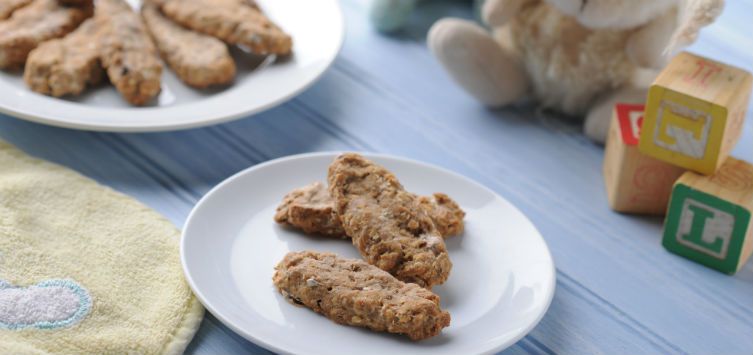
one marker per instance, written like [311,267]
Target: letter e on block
[709,217]
[695,113]
[635,182]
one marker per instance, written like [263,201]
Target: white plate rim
[497,346]
[245,111]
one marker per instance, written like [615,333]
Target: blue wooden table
[618,290]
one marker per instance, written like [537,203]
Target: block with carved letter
[695,113]
[635,182]
[709,217]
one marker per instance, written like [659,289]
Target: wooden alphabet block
[695,113]
[635,182]
[709,218]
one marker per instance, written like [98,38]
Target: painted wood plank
[618,291]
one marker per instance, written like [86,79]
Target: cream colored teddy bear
[575,56]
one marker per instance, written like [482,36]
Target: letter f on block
[671,119]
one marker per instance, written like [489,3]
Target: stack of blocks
[692,120]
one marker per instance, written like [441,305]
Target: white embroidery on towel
[49,304]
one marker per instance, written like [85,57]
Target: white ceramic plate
[500,286]
[317,31]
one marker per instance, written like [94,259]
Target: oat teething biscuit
[386,223]
[66,66]
[33,24]
[311,209]
[127,52]
[353,292]
[233,21]
[198,59]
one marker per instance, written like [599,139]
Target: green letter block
[704,228]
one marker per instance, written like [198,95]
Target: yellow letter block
[695,113]
[635,182]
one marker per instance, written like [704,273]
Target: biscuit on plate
[127,52]
[445,212]
[199,60]
[233,21]
[66,66]
[386,223]
[352,292]
[33,24]
[311,209]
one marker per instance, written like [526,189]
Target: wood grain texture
[635,182]
[733,182]
[618,290]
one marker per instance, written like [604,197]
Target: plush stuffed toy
[575,56]
[391,15]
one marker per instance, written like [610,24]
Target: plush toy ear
[692,16]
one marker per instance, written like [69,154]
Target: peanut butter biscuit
[65,66]
[311,209]
[233,21]
[198,59]
[127,52]
[352,292]
[33,24]
[386,222]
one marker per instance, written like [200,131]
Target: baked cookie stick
[355,293]
[386,222]
[127,52]
[233,21]
[33,24]
[311,209]
[8,6]
[199,60]
[445,212]
[65,66]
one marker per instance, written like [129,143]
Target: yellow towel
[85,269]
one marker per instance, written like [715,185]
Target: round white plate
[317,31]
[500,286]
